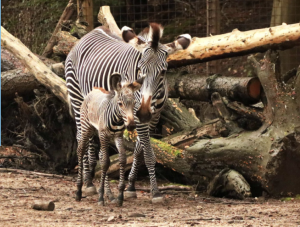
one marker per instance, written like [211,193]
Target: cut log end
[41,205]
[254,88]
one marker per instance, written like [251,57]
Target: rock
[229,183]
[111,218]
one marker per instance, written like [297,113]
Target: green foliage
[32,21]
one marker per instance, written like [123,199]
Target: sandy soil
[19,191]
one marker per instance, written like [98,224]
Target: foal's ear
[136,85]
[115,82]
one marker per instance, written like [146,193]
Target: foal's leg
[81,150]
[122,160]
[107,189]
[105,162]
[89,164]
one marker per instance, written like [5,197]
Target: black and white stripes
[99,54]
[108,113]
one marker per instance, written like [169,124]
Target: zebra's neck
[115,112]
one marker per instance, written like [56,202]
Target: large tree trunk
[269,157]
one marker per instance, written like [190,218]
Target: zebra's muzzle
[144,112]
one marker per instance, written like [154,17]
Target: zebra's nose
[144,112]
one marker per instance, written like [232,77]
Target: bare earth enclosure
[20,191]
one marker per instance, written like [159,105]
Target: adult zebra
[97,56]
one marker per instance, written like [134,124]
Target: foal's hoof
[101,203]
[158,199]
[78,196]
[130,194]
[90,191]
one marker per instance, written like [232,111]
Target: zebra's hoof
[90,191]
[78,196]
[159,199]
[130,194]
[119,203]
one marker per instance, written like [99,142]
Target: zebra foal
[108,113]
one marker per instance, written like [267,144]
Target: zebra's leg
[122,160]
[89,164]
[105,162]
[150,160]
[81,150]
[137,160]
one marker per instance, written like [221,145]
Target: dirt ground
[19,191]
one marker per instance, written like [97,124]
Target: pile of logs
[261,143]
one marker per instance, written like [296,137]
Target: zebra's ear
[127,34]
[182,42]
[115,82]
[136,85]
[130,37]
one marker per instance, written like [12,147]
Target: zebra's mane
[152,33]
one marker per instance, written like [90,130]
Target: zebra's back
[97,56]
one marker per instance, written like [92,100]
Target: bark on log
[114,167]
[42,73]
[85,13]
[237,43]
[67,13]
[24,83]
[41,205]
[13,81]
[65,42]
[190,86]
[175,117]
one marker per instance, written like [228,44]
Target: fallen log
[66,15]
[237,43]
[41,72]
[268,158]
[195,87]
[13,81]
[41,205]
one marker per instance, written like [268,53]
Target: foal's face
[126,102]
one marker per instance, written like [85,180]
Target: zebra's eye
[120,104]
